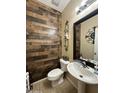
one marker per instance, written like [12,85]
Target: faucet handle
[96,66]
[96,69]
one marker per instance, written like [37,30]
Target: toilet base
[57,82]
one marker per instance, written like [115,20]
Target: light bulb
[83,2]
[76,9]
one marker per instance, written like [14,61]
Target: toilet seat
[55,74]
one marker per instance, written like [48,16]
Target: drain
[81,76]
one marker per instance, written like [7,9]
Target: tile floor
[44,86]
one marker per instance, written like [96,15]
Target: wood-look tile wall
[77,41]
[43,41]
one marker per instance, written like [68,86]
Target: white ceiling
[60,7]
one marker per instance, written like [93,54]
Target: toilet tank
[63,65]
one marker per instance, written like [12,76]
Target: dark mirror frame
[76,55]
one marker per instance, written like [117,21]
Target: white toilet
[56,75]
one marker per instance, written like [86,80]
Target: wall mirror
[86,37]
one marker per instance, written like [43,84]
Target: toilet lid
[55,72]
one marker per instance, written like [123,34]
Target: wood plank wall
[77,39]
[43,40]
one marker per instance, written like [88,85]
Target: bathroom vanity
[84,75]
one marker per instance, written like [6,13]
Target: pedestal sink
[84,75]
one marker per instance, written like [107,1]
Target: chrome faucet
[83,63]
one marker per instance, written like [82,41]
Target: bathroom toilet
[56,75]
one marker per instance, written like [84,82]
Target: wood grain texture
[33,14]
[36,4]
[38,70]
[43,40]
[77,40]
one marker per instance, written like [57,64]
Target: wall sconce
[66,36]
[84,5]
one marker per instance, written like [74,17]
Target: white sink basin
[85,75]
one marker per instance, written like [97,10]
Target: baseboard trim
[38,81]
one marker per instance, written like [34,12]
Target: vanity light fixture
[84,5]
[55,2]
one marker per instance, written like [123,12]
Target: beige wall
[70,15]
[87,49]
